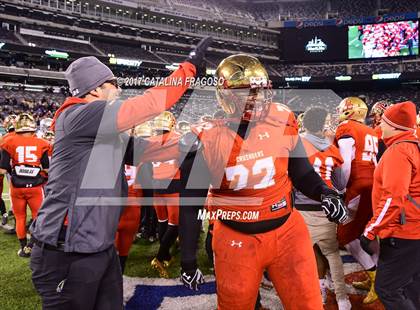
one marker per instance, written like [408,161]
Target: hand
[334,208]
[367,245]
[192,278]
[196,56]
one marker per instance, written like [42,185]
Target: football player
[251,159]
[358,146]
[166,195]
[326,159]
[24,156]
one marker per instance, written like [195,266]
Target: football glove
[192,279]
[334,208]
[196,56]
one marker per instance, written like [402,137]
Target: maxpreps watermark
[219,214]
[168,81]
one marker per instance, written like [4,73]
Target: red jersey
[325,161]
[365,148]
[25,150]
[250,174]
[164,170]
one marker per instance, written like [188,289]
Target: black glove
[196,56]
[192,278]
[334,208]
[367,244]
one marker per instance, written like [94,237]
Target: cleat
[24,252]
[362,285]
[371,296]
[160,268]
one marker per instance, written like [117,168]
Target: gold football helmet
[165,121]
[25,123]
[183,127]
[10,122]
[143,130]
[244,90]
[352,108]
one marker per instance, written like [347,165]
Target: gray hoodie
[320,144]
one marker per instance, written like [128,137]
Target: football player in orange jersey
[24,156]
[326,160]
[251,159]
[166,195]
[358,146]
[9,126]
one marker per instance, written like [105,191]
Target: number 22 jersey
[250,174]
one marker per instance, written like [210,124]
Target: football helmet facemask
[245,89]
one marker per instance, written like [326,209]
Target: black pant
[72,281]
[398,274]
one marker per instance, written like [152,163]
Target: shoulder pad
[190,142]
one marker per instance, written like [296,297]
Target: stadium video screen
[383,40]
[314,43]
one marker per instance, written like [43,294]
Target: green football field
[17,292]
[355,46]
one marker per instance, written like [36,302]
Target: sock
[360,255]
[123,259]
[167,241]
[162,227]
[23,242]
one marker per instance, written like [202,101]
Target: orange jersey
[6,136]
[24,150]
[365,148]
[250,174]
[163,170]
[324,161]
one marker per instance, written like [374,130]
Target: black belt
[59,247]
[308,207]
[252,228]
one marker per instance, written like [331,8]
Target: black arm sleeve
[303,175]
[45,161]
[5,161]
[193,170]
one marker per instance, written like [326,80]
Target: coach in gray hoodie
[74,263]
